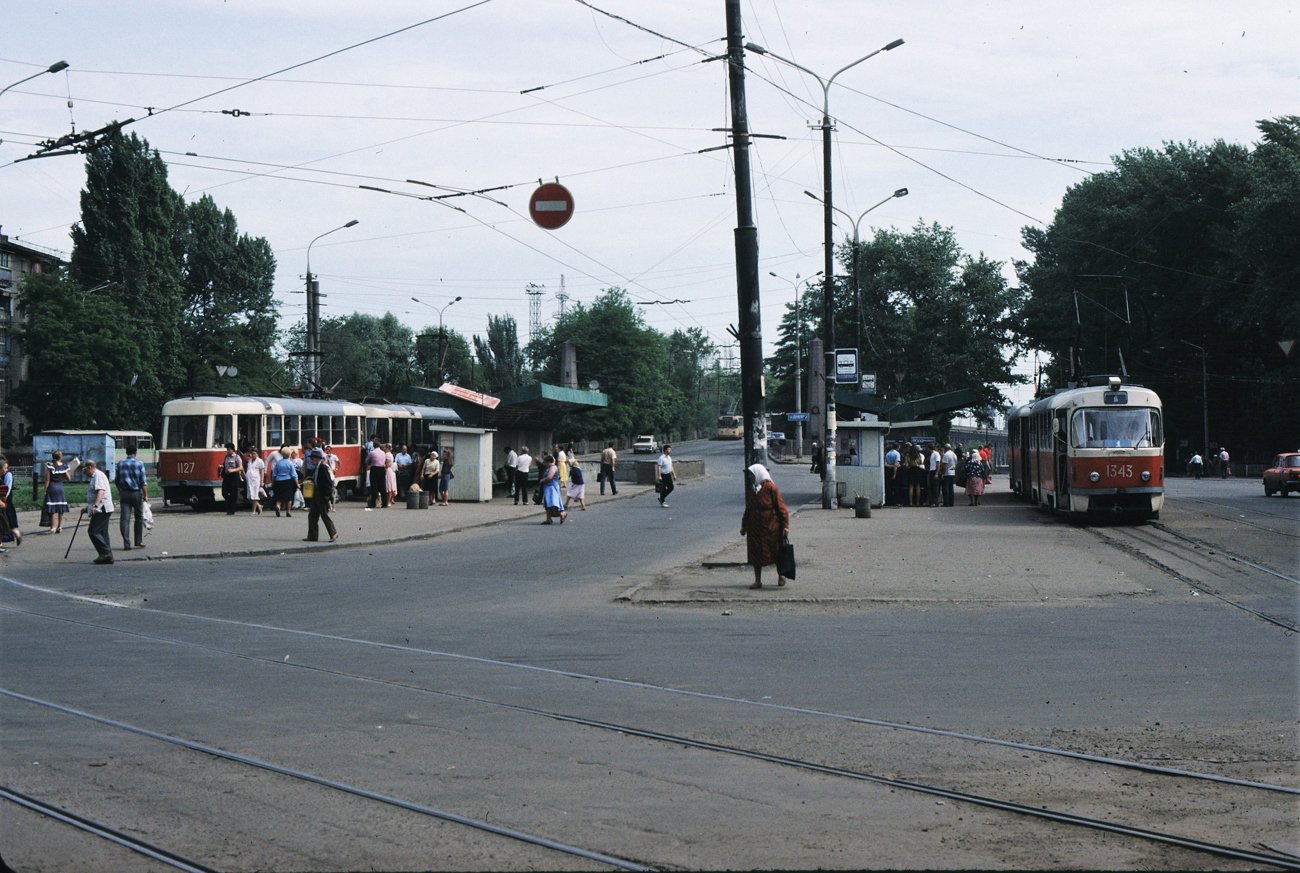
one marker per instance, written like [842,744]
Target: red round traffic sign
[551,206]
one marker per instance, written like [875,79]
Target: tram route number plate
[1119,471]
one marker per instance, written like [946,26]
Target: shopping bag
[785,561]
[146,514]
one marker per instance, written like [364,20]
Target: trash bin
[413,499]
[424,499]
[861,507]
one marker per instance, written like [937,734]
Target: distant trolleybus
[730,427]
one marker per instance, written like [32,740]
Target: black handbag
[537,496]
[785,560]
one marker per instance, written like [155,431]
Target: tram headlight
[1146,475]
[1094,476]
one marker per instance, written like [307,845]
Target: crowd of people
[929,475]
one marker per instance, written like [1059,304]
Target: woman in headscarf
[766,522]
[974,477]
[550,485]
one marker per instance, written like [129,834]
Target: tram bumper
[1118,501]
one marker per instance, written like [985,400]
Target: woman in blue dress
[56,504]
[551,498]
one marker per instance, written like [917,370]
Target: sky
[281,112]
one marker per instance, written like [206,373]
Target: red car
[1283,474]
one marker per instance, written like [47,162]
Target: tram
[196,430]
[1090,452]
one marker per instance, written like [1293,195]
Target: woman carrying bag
[765,524]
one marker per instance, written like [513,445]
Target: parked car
[1283,474]
[645,444]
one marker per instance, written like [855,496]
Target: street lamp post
[828,309]
[442,337]
[53,68]
[798,357]
[1205,399]
[313,317]
[857,293]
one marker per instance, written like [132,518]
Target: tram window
[1116,428]
[353,431]
[291,430]
[221,433]
[274,431]
[187,431]
[336,433]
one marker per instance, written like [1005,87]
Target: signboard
[551,206]
[846,366]
[868,383]
[797,416]
[475,397]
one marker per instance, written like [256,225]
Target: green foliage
[361,355]
[500,355]
[88,358]
[933,319]
[629,359]
[1201,244]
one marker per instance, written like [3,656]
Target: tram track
[681,740]
[1205,567]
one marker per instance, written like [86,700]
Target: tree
[629,359]
[688,352]
[89,356]
[361,355]
[129,243]
[1180,258]
[933,319]
[500,355]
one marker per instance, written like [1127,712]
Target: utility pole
[750,333]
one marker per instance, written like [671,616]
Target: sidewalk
[1001,552]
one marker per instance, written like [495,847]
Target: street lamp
[1205,400]
[828,307]
[313,316]
[53,68]
[798,358]
[857,295]
[442,339]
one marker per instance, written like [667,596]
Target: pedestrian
[765,524]
[577,486]
[133,494]
[232,478]
[667,475]
[254,476]
[933,463]
[1225,463]
[8,512]
[299,465]
[57,474]
[431,473]
[816,457]
[974,477]
[375,461]
[893,470]
[509,470]
[405,466]
[915,475]
[99,503]
[608,469]
[390,475]
[284,482]
[444,480]
[561,461]
[522,463]
[550,484]
[948,463]
[1195,465]
[318,512]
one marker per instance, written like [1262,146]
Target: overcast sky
[987,114]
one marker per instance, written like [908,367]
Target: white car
[645,444]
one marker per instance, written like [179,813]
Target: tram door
[1059,450]
[249,430]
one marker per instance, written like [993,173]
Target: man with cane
[99,503]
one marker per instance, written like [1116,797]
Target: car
[645,444]
[1283,474]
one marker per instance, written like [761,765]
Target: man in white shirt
[99,503]
[893,464]
[948,467]
[512,461]
[667,476]
[523,461]
[932,463]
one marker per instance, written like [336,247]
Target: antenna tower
[563,296]
[534,293]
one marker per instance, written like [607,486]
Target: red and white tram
[195,431]
[1091,451]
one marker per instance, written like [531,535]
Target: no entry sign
[551,206]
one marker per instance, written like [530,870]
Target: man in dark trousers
[322,479]
[132,494]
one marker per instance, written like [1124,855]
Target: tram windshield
[1112,428]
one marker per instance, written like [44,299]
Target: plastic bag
[146,513]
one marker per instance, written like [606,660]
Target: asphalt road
[446,672]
